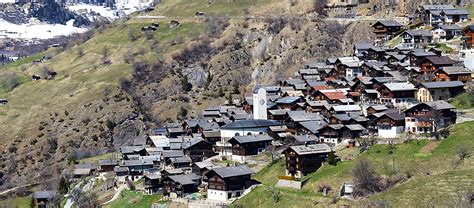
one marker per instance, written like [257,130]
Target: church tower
[259,103]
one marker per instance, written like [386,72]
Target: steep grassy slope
[430,164]
[92,107]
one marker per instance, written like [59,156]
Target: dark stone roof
[251,138]
[108,162]
[456,70]
[440,60]
[251,123]
[447,84]
[311,149]
[44,194]
[227,172]
[389,23]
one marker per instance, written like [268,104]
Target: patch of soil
[429,147]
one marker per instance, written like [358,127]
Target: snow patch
[35,29]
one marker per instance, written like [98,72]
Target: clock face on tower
[262,101]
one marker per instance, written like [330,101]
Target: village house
[453,73]
[432,63]
[334,133]
[417,56]
[198,149]
[243,146]
[443,33]
[431,14]
[136,167]
[181,185]
[397,92]
[228,182]
[454,16]
[468,37]
[304,159]
[152,183]
[416,38]
[44,198]
[83,170]
[385,29]
[107,165]
[390,124]
[432,91]
[121,173]
[180,162]
[202,168]
[429,116]
[305,139]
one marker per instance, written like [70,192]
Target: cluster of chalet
[444,23]
[324,104]
[377,91]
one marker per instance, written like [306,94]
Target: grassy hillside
[430,164]
[133,199]
[463,101]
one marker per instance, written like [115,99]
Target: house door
[229,195]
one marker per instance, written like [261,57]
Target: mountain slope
[120,82]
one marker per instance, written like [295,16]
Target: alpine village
[306,140]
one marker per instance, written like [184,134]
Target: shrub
[366,180]
[10,81]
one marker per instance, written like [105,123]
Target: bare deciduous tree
[366,180]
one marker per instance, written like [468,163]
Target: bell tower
[259,103]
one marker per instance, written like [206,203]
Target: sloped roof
[440,60]
[400,86]
[313,126]
[44,194]
[226,172]
[334,95]
[305,138]
[298,116]
[340,108]
[438,7]
[250,123]
[181,179]
[447,84]
[311,149]
[389,23]
[425,33]
[456,12]
[251,138]
[456,70]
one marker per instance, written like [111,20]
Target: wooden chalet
[181,185]
[331,96]
[247,145]
[397,92]
[198,149]
[44,198]
[390,124]
[384,29]
[202,168]
[152,183]
[228,182]
[429,116]
[416,57]
[453,73]
[107,165]
[304,159]
[211,136]
[334,133]
[468,37]
[431,91]
[432,63]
